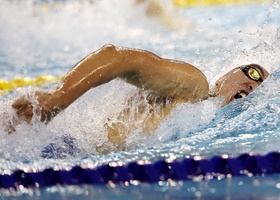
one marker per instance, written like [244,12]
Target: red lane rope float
[143,171]
[7,86]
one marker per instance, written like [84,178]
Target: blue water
[35,42]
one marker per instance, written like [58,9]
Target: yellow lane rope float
[213,2]
[7,86]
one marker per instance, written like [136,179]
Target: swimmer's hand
[41,104]
[24,109]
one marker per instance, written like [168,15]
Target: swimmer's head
[239,82]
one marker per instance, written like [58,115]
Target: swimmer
[168,82]
[165,12]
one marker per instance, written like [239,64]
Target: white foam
[50,42]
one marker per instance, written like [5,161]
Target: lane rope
[222,166]
[7,86]
[186,3]
[142,171]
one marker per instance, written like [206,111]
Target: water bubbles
[275,3]
[54,40]
[67,48]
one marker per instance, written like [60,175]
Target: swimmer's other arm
[162,77]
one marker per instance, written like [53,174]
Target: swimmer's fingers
[8,122]
[43,106]
[18,103]
[24,113]
[24,109]
[45,109]
[10,128]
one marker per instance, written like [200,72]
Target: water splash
[53,41]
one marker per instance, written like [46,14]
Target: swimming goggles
[251,73]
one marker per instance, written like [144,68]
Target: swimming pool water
[215,39]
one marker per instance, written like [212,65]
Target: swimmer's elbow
[108,51]
[123,61]
[112,50]
[108,47]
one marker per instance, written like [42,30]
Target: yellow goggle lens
[254,74]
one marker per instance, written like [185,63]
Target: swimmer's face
[239,82]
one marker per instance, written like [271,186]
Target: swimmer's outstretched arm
[163,77]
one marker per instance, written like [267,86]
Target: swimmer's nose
[252,86]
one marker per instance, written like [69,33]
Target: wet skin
[164,79]
[235,84]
